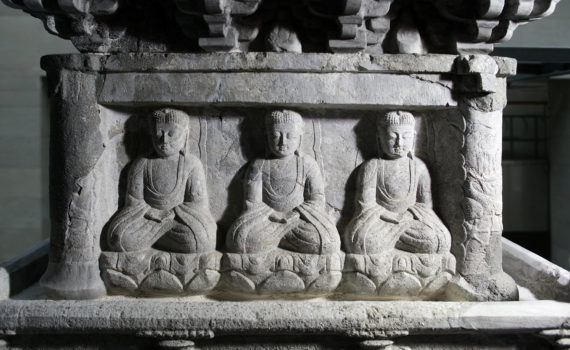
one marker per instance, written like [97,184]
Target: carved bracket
[376,26]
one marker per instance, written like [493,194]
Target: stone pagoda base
[29,321]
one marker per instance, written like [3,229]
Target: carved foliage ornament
[376,26]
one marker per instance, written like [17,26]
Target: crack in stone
[418,77]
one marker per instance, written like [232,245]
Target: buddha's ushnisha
[284,197]
[166,205]
[393,199]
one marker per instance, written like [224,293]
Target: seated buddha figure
[393,198]
[166,204]
[284,197]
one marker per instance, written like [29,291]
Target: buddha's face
[168,138]
[284,139]
[396,141]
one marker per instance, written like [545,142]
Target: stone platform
[205,324]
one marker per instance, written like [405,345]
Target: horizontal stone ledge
[284,62]
[332,90]
[115,315]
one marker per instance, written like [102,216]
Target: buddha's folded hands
[388,216]
[292,216]
[284,217]
[277,217]
[159,215]
[417,241]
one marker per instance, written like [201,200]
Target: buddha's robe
[384,221]
[176,221]
[284,210]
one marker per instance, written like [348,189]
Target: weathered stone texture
[227,97]
[269,168]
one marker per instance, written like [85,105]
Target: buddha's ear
[185,150]
[268,152]
[378,144]
[297,151]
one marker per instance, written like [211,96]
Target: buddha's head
[169,130]
[284,131]
[396,134]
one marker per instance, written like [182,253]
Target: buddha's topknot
[284,116]
[396,118]
[170,116]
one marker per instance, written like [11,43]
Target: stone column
[75,147]
[481,94]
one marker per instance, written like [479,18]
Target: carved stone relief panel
[165,209]
[397,245]
[284,210]
[280,186]
[266,188]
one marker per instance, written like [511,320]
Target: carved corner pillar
[481,95]
[75,147]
